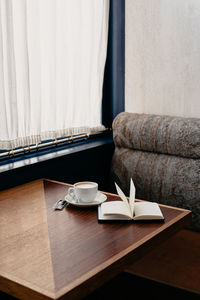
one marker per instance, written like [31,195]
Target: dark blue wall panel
[114,78]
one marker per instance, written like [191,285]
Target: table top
[48,254]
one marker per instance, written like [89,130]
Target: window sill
[51,154]
[85,160]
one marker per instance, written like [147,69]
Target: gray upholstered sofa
[162,156]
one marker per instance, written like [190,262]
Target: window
[52,58]
[94,152]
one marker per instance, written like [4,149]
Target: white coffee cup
[84,191]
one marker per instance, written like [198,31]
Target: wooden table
[47,254]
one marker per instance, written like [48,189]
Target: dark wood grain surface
[47,254]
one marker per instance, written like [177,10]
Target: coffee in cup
[84,191]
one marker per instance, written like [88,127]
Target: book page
[132,197]
[123,197]
[102,217]
[147,211]
[115,208]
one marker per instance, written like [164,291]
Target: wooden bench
[175,262]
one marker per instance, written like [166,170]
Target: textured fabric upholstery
[155,133]
[162,156]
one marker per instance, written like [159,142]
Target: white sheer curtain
[52,58]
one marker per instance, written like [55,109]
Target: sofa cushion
[162,178]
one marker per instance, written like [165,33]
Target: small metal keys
[60,204]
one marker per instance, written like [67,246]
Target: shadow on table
[127,287]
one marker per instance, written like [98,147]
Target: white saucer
[100,198]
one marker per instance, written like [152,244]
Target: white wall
[163,57]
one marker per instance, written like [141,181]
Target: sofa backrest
[162,156]
[160,134]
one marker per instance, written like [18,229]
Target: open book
[129,209]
